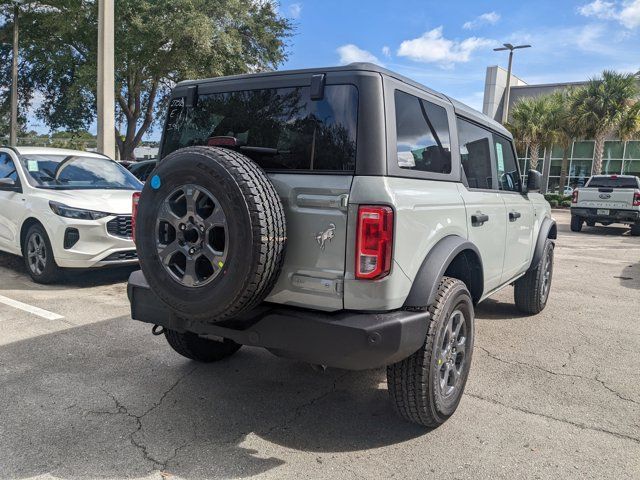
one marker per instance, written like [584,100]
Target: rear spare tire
[210,233]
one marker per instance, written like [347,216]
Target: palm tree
[601,107]
[565,131]
[531,125]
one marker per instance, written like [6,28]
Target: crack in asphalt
[121,409]
[559,374]
[581,426]
[297,413]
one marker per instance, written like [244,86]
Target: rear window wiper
[263,150]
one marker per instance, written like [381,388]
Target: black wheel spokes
[192,236]
[452,357]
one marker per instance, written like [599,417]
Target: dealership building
[619,157]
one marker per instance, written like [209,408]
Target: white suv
[65,208]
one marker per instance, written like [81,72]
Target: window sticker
[32,165]
[500,157]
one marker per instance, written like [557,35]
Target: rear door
[307,147]
[485,208]
[519,210]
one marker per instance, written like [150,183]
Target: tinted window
[66,172]
[7,167]
[422,131]
[278,128]
[506,167]
[475,154]
[613,182]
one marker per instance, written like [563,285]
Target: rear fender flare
[425,285]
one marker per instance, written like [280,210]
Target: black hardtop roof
[460,108]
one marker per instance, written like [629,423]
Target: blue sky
[448,45]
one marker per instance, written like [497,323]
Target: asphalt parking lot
[95,395]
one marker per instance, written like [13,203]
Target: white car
[65,209]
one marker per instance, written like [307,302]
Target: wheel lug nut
[183,226]
[192,251]
[202,228]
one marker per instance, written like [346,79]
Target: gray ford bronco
[346,217]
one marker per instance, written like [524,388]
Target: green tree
[602,107]
[158,43]
[564,129]
[531,125]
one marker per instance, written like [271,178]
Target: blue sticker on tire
[155,182]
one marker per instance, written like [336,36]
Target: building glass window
[611,167]
[583,150]
[558,152]
[632,167]
[555,168]
[613,150]
[633,150]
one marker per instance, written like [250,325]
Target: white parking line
[29,308]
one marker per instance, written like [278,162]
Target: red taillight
[374,242]
[574,196]
[636,198]
[135,199]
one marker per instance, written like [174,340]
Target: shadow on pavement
[108,400]
[74,278]
[491,309]
[630,276]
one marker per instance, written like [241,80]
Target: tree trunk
[564,168]
[534,152]
[598,153]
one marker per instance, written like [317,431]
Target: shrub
[553,202]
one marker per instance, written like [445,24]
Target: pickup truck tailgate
[606,197]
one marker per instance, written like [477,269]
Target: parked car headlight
[77,213]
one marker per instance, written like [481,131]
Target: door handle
[479,219]
[513,216]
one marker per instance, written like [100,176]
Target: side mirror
[9,185]
[534,181]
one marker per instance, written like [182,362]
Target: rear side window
[475,154]
[422,129]
[280,129]
[613,182]
[506,167]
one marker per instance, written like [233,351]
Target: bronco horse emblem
[328,234]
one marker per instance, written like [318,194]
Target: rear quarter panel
[425,212]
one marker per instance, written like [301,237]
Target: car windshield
[72,172]
[613,182]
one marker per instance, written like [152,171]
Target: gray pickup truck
[607,199]
[346,217]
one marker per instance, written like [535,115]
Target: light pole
[511,48]
[13,130]
[106,81]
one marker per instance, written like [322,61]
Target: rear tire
[576,223]
[635,230]
[426,387]
[200,349]
[531,291]
[38,256]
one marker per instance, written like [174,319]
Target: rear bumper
[349,340]
[614,215]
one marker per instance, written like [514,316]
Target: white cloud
[598,9]
[351,53]
[386,51]
[630,14]
[489,18]
[626,12]
[295,10]
[432,47]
